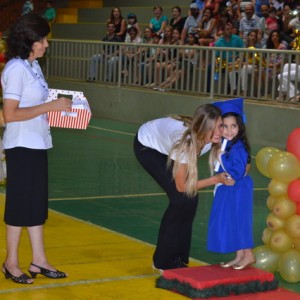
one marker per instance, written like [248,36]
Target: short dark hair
[27,30]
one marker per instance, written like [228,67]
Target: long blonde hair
[192,142]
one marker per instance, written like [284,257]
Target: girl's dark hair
[241,134]
[269,43]
[27,30]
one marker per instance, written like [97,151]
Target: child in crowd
[230,223]
[50,12]
[132,22]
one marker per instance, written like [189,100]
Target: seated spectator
[132,22]
[252,40]
[258,5]
[50,12]
[27,7]
[295,22]
[119,21]
[272,21]
[162,56]
[249,22]
[172,61]
[274,62]
[200,4]
[286,33]
[207,28]
[286,83]
[263,32]
[250,64]
[214,5]
[148,36]
[130,56]
[177,20]
[235,20]
[189,59]
[230,59]
[109,55]
[224,18]
[147,64]
[158,22]
[191,23]
[278,5]
[236,7]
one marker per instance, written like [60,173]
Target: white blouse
[25,83]
[162,134]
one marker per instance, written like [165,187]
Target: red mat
[214,281]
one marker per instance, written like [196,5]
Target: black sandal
[21,279]
[48,273]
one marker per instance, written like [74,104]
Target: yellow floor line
[100,263]
[110,130]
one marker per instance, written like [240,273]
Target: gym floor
[105,212]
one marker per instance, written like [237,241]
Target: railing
[202,70]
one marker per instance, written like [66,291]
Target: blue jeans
[110,66]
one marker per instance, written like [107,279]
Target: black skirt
[27,187]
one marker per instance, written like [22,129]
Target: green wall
[268,124]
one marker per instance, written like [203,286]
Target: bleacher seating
[88,22]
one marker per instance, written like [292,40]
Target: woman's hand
[61,104]
[13,113]
[225,179]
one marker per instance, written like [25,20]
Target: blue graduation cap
[232,105]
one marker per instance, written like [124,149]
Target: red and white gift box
[79,116]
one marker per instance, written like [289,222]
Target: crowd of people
[49,13]
[263,24]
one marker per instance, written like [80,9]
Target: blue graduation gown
[230,223]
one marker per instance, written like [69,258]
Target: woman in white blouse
[26,140]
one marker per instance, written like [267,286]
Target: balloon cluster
[221,64]
[296,41]
[281,237]
[256,58]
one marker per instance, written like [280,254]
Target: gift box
[79,116]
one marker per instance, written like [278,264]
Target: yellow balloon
[283,208]
[2,47]
[289,265]
[280,241]
[297,244]
[277,188]
[262,158]
[266,259]
[284,166]
[270,202]
[292,226]
[266,235]
[274,223]
[2,65]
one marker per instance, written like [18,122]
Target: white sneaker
[156,270]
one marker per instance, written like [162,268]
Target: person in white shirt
[26,140]
[287,79]
[168,148]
